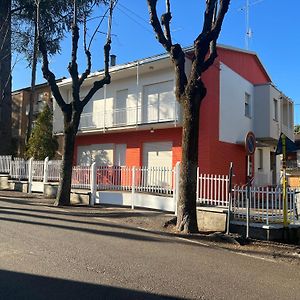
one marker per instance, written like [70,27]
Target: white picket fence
[266,204]
[212,190]
[115,178]
[5,161]
[19,169]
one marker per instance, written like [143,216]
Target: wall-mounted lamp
[151,130]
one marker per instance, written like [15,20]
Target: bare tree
[72,111]
[5,76]
[190,91]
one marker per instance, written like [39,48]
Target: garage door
[102,154]
[157,154]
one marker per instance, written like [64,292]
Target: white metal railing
[53,170]
[266,204]
[141,179]
[212,190]
[81,177]
[114,178]
[130,116]
[5,161]
[38,170]
[154,180]
[19,169]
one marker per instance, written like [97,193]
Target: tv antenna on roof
[246,9]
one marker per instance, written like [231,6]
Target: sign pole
[248,198]
[250,145]
[229,197]
[284,185]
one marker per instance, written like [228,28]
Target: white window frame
[247,105]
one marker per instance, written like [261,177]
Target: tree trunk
[186,206]
[33,82]
[5,77]
[64,190]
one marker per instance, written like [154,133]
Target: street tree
[5,76]
[42,143]
[54,20]
[190,92]
[72,110]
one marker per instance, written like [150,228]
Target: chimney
[113,60]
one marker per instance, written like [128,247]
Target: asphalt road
[58,253]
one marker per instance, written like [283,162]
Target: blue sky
[275,38]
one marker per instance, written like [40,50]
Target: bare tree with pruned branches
[5,76]
[190,92]
[72,110]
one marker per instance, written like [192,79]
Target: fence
[19,169]
[140,179]
[5,161]
[81,177]
[212,189]
[266,204]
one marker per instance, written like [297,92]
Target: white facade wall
[234,125]
[102,105]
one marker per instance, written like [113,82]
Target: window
[275,110]
[158,102]
[247,105]
[260,159]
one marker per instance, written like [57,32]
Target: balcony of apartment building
[141,96]
[274,114]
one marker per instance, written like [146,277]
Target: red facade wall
[245,64]
[134,141]
[215,156]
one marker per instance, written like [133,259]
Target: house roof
[165,55]
[37,86]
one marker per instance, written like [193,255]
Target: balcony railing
[293,164]
[130,116]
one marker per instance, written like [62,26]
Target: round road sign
[250,143]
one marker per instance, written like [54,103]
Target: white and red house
[136,120]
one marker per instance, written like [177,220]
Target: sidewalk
[154,221]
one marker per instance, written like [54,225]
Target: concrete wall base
[19,186]
[80,198]
[274,232]
[50,190]
[211,219]
[4,184]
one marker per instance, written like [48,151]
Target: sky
[274,24]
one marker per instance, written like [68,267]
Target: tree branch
[207,39]
[50,77]
[88,55]
[73,66]
[165,21]
[156,25]
[105,79]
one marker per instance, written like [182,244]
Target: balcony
[130,116]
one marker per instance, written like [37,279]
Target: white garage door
[157,154]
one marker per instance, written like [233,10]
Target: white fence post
[45,175]
[133,187]
[176,186]
[197,184]
[30,173]
[93,183]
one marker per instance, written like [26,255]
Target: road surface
[66,253]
